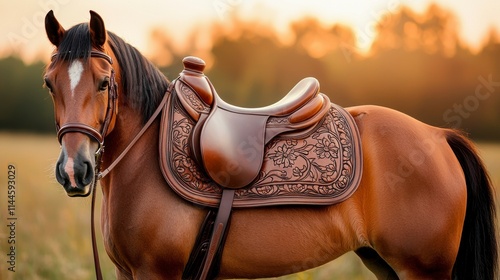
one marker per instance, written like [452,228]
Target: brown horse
[424,208]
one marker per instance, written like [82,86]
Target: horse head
[80,80]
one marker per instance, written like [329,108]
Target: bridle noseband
[92,132]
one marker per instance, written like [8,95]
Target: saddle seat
[306,91]
[229,141]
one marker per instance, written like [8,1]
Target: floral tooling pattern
[318,166]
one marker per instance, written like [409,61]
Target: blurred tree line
[417,64]
[24,105]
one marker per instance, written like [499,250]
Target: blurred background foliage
[417,64]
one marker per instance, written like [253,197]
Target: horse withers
[423,209]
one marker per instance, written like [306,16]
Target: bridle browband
[99,136]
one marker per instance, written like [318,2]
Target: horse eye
[104,85]
[47,84]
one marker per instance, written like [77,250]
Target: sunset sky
[22,30]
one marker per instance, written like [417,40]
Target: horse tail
[478,252]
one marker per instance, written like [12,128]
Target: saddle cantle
[300,150]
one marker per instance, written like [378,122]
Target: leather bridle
[92,132]
[99,136]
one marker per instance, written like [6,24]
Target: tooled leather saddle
[302,150]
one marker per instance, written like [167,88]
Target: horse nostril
[61,175]
[88,173]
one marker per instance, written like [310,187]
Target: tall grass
[53,230]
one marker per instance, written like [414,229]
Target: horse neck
[142,154]
[136,185]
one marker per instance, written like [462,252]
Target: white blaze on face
[69,168]
[75,71]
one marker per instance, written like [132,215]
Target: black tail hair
[478,253]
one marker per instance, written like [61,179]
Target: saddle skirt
[318,162]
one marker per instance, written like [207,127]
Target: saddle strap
[219,232]
[192,270]
[153,117]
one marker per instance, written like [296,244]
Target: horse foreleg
[122,275]
[372,260]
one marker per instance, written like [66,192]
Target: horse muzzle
[75,172]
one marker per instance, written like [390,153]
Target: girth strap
[219,230]
[194,265]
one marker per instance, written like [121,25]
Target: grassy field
[52,230]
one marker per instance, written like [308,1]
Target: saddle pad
[321,166]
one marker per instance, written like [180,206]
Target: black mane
[142,83]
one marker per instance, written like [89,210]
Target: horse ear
[55,32]
[97,30]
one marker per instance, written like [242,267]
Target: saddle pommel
[193,63]
[193,76]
